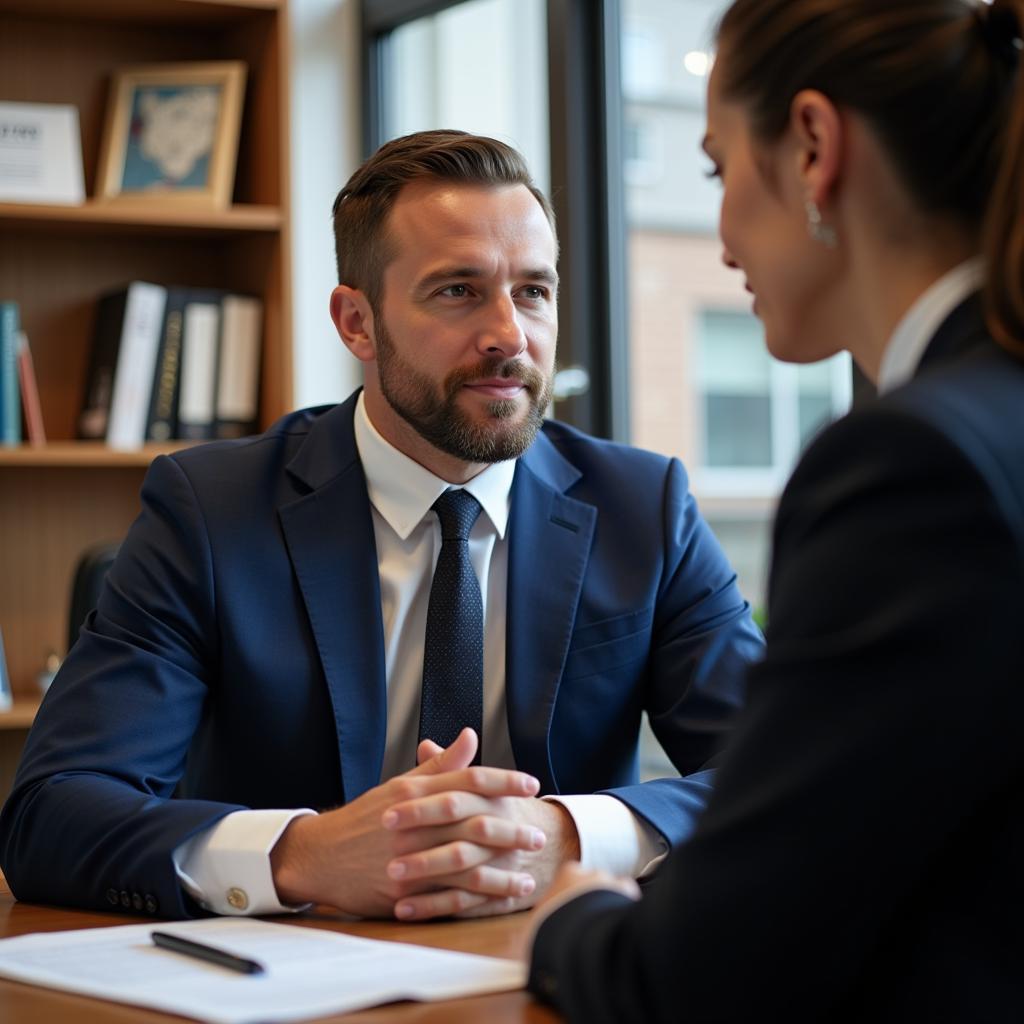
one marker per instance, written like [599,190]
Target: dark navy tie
[453,651]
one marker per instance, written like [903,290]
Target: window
[757,414]
[642,150]
[702,385]
[734,388]
[643,62]
[480,66]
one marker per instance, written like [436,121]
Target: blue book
[10,391]
[6,697]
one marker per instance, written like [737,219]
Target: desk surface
[27,1004]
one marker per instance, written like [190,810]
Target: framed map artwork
[172,132]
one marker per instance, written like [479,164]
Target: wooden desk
[27,1004]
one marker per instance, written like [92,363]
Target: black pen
[210,954]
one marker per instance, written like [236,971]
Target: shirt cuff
[612,837]
[226,868]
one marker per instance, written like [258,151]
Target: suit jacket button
[126,900]
[137,900]
[112,897]
[151,904]
[238,898]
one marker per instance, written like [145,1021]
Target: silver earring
[819,231]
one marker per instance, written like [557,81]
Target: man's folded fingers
[447,859]
[441,903]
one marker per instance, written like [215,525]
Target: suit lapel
[330,539]
[550,536]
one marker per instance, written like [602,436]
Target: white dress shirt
[226,868]
[906,346]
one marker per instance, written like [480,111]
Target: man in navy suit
[237,729]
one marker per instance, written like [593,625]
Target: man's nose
[502,333]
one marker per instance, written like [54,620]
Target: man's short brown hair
[361,244]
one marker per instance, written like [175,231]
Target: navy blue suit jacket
[862,856]
[236,658]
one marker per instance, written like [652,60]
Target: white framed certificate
[40,154]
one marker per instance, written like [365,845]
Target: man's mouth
[497,387]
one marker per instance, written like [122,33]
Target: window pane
[734,380]
[820,400]
[480,66]
[815,413]
[738,431]
[732,354]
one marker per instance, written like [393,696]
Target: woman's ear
[818,131]
[353,320]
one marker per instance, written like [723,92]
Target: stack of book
[19,395]
[173,362]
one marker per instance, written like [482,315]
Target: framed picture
[172,132]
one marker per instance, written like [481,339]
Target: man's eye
[533,291]
[456,291]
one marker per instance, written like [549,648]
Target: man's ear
[353,320]
[819,132]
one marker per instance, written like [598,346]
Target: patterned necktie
[453,651]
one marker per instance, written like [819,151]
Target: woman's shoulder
[955,429]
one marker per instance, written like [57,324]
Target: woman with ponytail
[862,857]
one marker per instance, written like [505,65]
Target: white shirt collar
[402,490]
[918,326]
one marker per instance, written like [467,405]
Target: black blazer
[862,856]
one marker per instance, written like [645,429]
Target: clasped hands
[445,838]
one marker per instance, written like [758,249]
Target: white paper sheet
[309,972]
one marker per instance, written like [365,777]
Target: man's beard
[437,417]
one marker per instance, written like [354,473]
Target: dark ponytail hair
[940,82]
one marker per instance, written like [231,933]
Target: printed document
[309,972]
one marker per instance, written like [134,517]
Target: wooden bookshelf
[55,261]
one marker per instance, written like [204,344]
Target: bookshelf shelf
[84,454]
[166,11]
[101,217]
[56,261]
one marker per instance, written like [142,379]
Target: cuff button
[238,898]
[111,895]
